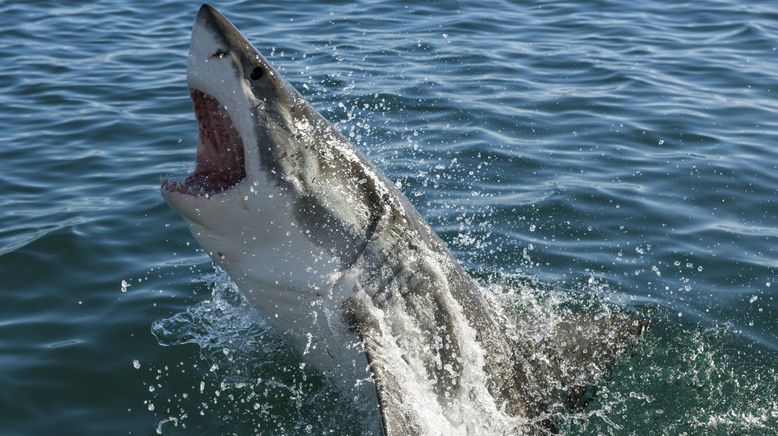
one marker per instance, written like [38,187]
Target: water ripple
[627,144]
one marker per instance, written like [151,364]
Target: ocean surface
[623,150]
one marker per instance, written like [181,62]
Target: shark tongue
[220,161]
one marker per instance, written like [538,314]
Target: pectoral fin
[573,356]
[396,418]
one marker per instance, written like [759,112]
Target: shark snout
[212,20]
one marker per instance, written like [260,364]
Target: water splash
[710,370]
[245,379]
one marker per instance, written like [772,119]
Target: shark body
[340,262]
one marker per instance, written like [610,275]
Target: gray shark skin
[340,262]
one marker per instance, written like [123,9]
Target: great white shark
[336,258]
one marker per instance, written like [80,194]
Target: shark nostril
[220,53]
[257,73]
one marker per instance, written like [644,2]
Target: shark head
[278,198]
[238,99]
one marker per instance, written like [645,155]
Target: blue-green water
[624,149]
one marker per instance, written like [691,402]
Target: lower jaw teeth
[193,188]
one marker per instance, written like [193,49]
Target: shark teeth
[220,161]
[188,188]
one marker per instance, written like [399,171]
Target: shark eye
[257,73]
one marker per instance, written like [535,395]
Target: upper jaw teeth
[219,165]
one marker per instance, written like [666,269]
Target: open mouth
[220,161]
